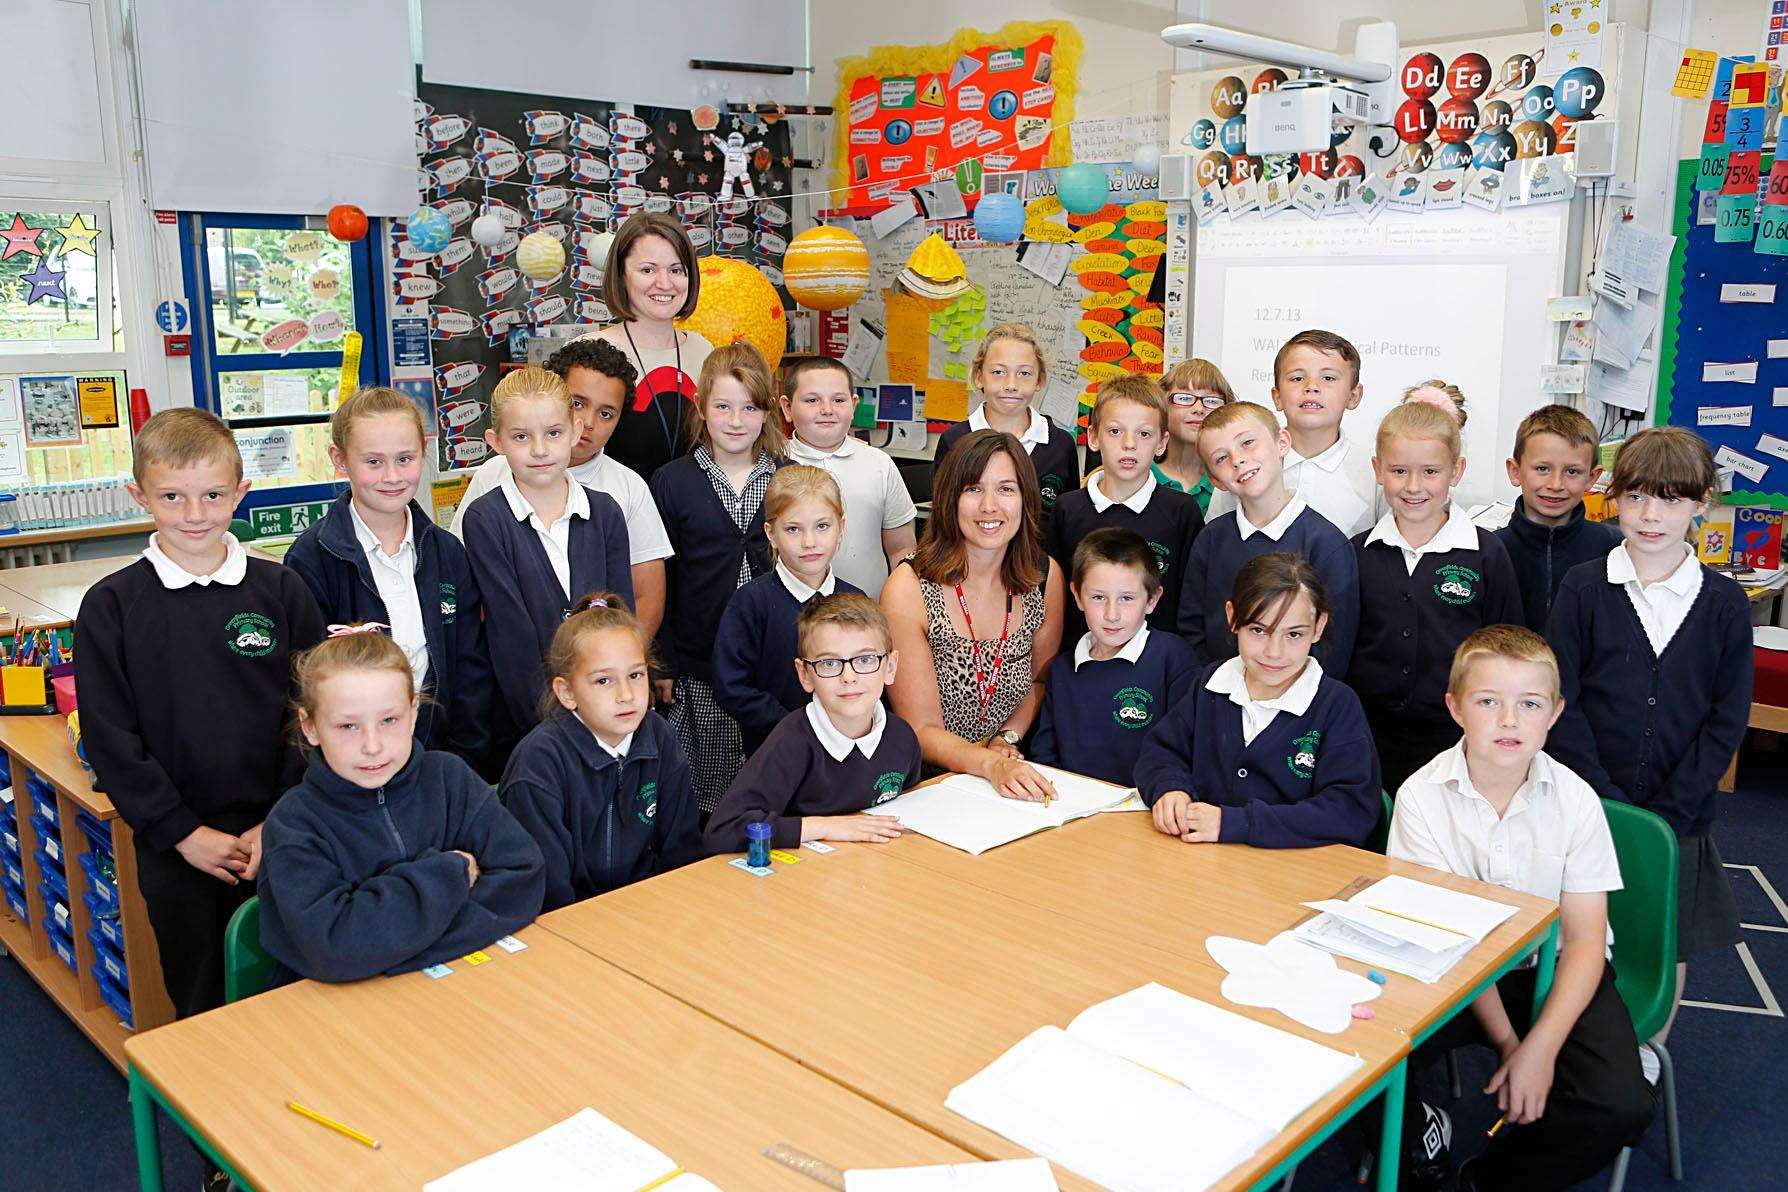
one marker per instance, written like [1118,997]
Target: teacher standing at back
[649,281]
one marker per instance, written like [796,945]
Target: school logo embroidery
[1458,585]
[646,806]
[1051,487]
[1133,707]
[1162,555]
[886,786]
[251,635]
[1302,760]
[449,604]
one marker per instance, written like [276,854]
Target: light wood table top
[58,587]
[444,1072]
[899,982]
[1116,872]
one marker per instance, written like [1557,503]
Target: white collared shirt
[1231,679]
[394,577]
[646,538]
[1274,529]
[1458,532]
[1136,502]
[1552,840]
[1034,436]
[172,575]
[836,743]
[556,538]
[618,752]
[875,500]
[1130,651]
[799,590]
[1337,483]
[1663,606]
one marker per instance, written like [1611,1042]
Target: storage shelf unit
[50,791]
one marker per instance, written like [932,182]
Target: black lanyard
[670,439]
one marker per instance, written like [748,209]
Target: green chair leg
[142,1120]
[1390,1140]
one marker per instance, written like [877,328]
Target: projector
[1298,117]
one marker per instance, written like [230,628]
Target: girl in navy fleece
[538,541]
[385,859]
[1265,749]
[755,677]
[712,501]
[379,557]
[601,784]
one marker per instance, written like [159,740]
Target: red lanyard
[985,685]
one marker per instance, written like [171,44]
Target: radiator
[35,554]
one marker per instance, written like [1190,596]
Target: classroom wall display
[1723,349]
[977,103]
[572,169]
[1486,123]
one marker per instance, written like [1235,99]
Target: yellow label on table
[475,958]
[783,855]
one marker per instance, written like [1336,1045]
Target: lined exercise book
[1151,1090]
[585,1151]
[966,812]
[1414,928]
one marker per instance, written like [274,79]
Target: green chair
[1381,835]
[246,964]
[1643,915]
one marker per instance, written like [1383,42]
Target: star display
[79,236]
[20,239]
[45,282]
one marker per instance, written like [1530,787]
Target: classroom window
[260,279]
[56,292]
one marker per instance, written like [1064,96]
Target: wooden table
[57,587]
[1116,872]
[444,1072]
[900,982]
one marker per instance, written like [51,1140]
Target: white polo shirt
[1231,679]
[172,575]
[1274,529]
[1337,483]
[1458,532]
[1136,502]
[875,499]
[836,743]
[646,539]
[1553,840]
[1665,605]
[394,577]
[1035,435]
[556,538]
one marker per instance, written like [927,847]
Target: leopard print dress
[953,658]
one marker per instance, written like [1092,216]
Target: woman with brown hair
[977,617]
[649,282]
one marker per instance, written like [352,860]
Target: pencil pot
[62,684]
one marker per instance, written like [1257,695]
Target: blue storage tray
[49,871]
[63,946]
[97,882]
[49,839]
[55,910]
[106,961]
[9,841]
[15,899]
[43,800]
[118,999]
[13,871]
[97,832]
[105,920]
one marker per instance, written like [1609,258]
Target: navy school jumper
[358,882]
[1169,523]
[523,603]
[1303,781]
[1095,718]
[1653,731]
[1542,555]
[754,651]
[704,572]
[602,822]
[455,706]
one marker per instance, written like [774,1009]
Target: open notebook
[1414,928]
[585,1151]
[1151,1090]
[966,812]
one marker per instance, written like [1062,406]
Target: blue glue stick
[757,850]
[1376,977]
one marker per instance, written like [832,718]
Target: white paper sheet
[1640,256]
[966,812]
[1622,331]
[1450,910]
[586,1151]
[1009,1175]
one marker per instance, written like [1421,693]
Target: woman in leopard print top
[977,616]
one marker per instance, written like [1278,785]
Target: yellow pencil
[1496,1127]
[339,1128]
[661,1180]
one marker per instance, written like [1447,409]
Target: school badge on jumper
[1302,760]
[1458,584]
[251,635]
[449,604]
[886,786]
[1133,707]
[646,806]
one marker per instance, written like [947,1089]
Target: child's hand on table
[873,829]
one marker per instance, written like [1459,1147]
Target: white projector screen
[1458,295]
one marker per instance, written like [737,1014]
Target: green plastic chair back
[246,965]
[1643,914]
[1381,835]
